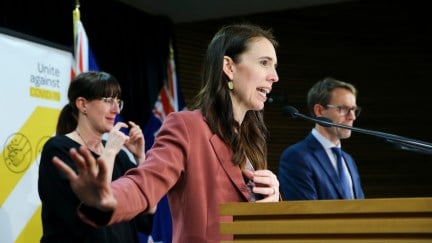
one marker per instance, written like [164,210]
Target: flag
[169,100]
[84,59]
[83,56]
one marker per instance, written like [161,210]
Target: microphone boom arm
[403,143]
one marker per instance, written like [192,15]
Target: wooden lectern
[366,220]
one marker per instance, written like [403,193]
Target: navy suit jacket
[306,173]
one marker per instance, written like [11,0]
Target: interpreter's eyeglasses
[113,101]
[345,110]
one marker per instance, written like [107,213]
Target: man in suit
[308,170]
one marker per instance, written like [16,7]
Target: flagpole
[76,18]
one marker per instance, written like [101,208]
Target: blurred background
[382,47]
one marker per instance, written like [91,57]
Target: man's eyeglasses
[113,101]
[345,110]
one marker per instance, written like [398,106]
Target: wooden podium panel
[366,220]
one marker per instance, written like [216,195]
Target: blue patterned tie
[342,176]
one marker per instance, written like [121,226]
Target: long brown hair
[214,101]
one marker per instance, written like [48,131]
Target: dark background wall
[383,47]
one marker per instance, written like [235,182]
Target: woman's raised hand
[136,142]
[91,183]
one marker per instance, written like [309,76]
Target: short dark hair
[320,93]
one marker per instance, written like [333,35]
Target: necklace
[85,143]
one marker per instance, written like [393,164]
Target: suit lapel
[224,155]
[323,159]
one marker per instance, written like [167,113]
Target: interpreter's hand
[266,184]
[136,142]
[116,140]
[91,184]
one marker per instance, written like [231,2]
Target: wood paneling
[368,220]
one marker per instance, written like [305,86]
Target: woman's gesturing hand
[91,182]
[136,142]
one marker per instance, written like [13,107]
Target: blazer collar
[224,154]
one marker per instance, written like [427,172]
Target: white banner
[34,78]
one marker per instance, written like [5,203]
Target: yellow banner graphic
[21,149]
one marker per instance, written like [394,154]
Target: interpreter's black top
[59,204]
